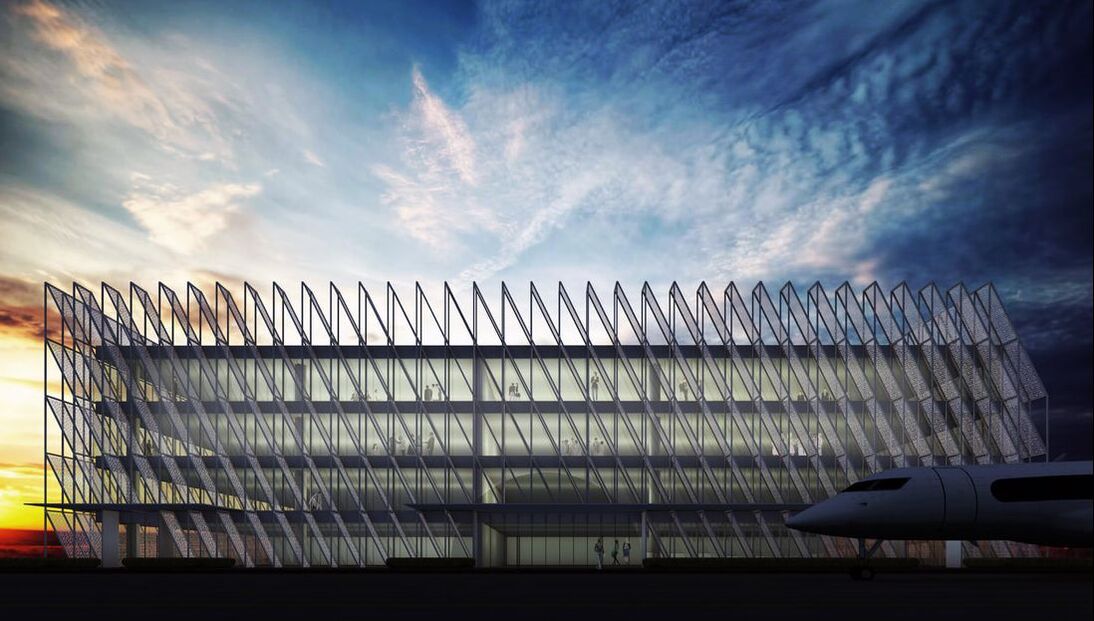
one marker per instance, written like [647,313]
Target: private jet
[1041,503]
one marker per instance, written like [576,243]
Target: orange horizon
[28,542]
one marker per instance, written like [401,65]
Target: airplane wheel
[862,573]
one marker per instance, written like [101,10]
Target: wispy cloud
[88,77]
[313,159]
[184,222]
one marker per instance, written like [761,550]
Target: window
[878,485]
[1038,489]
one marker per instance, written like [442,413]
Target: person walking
[627,552]
[598,549]
[615,552]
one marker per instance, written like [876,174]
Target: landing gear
[864,571]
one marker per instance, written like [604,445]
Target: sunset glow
[543,141]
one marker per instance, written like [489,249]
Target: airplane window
[878,485]
[1035,489]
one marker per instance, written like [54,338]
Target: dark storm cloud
[972,120]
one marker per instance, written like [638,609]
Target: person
[615,552]
[684,391]
[596,385]
[429,444]
[598,549]
[565,446]
[627,552]
[428,393]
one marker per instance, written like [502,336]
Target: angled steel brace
[613,446]
[909,351]
[357,391]
[592,299]
[636,437]
[951,349]
[182,378]
[182,431]
[234,426]
[782,390]
[339,410]
[261,424]
[826,315]
[324,434]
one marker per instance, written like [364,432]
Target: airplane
[1040,503]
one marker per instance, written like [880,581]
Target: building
[327,429]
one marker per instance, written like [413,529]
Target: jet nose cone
[816,519]
[800,520]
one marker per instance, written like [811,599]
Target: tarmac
[621,594]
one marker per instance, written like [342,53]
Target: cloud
[175,107]
[313,159]
[444,139]
[432,191]
[21,310]
[181,221]
[19,484]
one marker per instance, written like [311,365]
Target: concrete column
[111,551]
[953,555]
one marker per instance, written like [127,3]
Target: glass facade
[352,429]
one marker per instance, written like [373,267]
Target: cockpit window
[878,485]
[1039,489]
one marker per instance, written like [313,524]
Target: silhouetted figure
[615,552]
[627,552]
[598,549]
[428,393]
[429,444]
[684,391]
[596,386]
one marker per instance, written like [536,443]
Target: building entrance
[560,539]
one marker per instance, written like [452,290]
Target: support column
[476,539]
[954,555]
[111,550]
[132,533]
[645,533]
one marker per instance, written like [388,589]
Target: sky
[593,141]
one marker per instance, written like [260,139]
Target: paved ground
[312,596]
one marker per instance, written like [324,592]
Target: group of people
[513,391]
[432,392]
[598,550]
[414,447]
[570,446]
